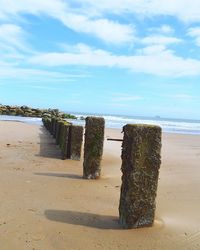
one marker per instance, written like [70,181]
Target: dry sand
[45,204]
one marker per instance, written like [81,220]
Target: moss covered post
[93,148]
[61,133]
[140,169]
[54,127]
[49,124]
[58,130]
[64,139]
[75,141]
[46,121]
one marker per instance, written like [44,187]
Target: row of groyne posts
[141,161]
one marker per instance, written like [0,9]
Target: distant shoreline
[109,124]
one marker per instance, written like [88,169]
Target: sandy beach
[45,203]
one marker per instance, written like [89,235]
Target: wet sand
[45,204]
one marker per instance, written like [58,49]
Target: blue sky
[132,57]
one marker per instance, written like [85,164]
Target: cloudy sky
[133,57]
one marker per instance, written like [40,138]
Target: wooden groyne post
[140,169]
[55,120]
[69,137]
[58,129]
[64,140]
[93,148]
[76,140]
[52,125]
[47,123]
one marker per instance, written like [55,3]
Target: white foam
[167,125]
[29,120]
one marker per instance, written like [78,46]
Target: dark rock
[32,112]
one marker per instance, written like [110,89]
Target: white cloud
[90,17]
[152,49]
[12,37]
[163,63]
[163,29]
[195,33]
[153,59]
[166,29]
[80,55]
[107,30]
[30,74]
[159,39]
[36,7]
[185,10]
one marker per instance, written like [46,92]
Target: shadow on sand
[48,147]
[62,175]
[83,219]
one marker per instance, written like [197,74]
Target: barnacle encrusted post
[64,139]
[52,125]
[55,120]
[49,124]
[75,142]
[58,130]
[93,148]
[46,121]
[141,161]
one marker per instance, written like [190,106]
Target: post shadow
[83,219]
[48,147]
[60,175]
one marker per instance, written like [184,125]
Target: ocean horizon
[168,125]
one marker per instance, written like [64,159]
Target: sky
[129,57]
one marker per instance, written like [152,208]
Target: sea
[169,125]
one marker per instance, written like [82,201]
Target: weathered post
[52,125]
[75,142]
[55,120]
[140,169]
[61,133]
[46,121]
[49,125]
[64,139]
[93,148]
[58,130]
